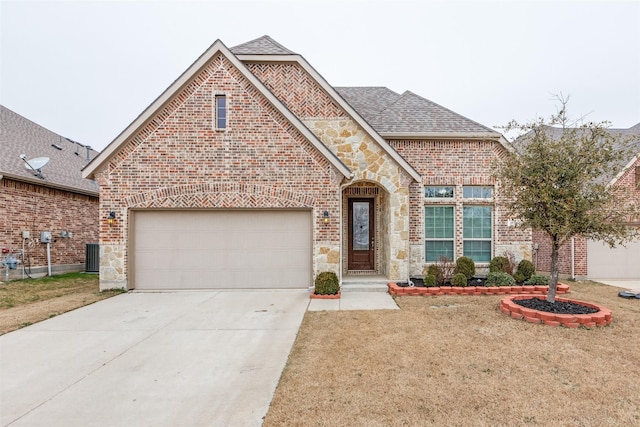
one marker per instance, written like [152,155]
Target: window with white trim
[476,232]
[221,111]
[439,232]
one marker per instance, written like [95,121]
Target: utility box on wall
[45,237]
[92,264]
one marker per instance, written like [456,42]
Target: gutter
[442,135]
[50,184]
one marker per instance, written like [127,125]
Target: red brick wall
[179,160]
[35,209]
[542,257]
[296,89]
[626,183]
[456,163]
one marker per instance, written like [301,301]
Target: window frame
[478,239]
[217,109]
[452,187]
[451,240]
[482,188]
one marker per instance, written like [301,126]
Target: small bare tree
[558,182]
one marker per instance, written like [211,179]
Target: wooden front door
[361,234]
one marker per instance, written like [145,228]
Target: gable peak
[264,45]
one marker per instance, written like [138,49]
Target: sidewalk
[355,301]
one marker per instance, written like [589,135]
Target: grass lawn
[459,361]
[24,302]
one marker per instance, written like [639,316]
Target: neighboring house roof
[396,115]
[264,45]
[629,140]
[20,136]
[183,80]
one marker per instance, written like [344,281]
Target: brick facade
[629,184]
[34,208]
[458,163]
[177,159]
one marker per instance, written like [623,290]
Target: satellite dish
[37,163]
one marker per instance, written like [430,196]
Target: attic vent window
[221,111]
[56,146]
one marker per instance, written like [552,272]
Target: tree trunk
[553,280]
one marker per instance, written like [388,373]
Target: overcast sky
[86,69]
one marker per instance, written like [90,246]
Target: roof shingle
[264,45]
[389,112]
[19,135]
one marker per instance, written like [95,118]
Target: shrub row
[503,271]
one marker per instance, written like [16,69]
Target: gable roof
[408,114]
[629,139]
[183,80]
[264,45]
[331,91]
[20,136]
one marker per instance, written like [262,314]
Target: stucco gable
[173,93]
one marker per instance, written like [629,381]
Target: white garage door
[198,249]
[621,262]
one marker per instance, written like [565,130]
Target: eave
[49,184]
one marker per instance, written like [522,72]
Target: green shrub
[459,279]
[499,264]
[500,278]
[466,266]
[526,269]
[537,279]
[327,283]
[429,280]
[435,271]
[518,277]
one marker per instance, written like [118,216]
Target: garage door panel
[222,249]
[622,262]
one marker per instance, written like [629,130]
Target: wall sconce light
[325,217]
[111,218]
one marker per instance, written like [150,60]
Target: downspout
[342,187]
[573,259]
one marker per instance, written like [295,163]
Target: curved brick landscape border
[318,296]
[394,289]
[602,317]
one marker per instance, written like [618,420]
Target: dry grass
[24,302]
[459,361]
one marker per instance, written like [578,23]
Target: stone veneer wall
[35,208]
[458,163]
[357,150]
[179,160]
[370,163]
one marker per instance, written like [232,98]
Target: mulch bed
[419,283]
[560,307]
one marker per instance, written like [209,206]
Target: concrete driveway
[152,359]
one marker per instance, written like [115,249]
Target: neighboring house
[55,199]
[250,170]
[586,258]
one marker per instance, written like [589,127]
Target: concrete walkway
[152,359]
[355,301]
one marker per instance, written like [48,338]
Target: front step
[364,284]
